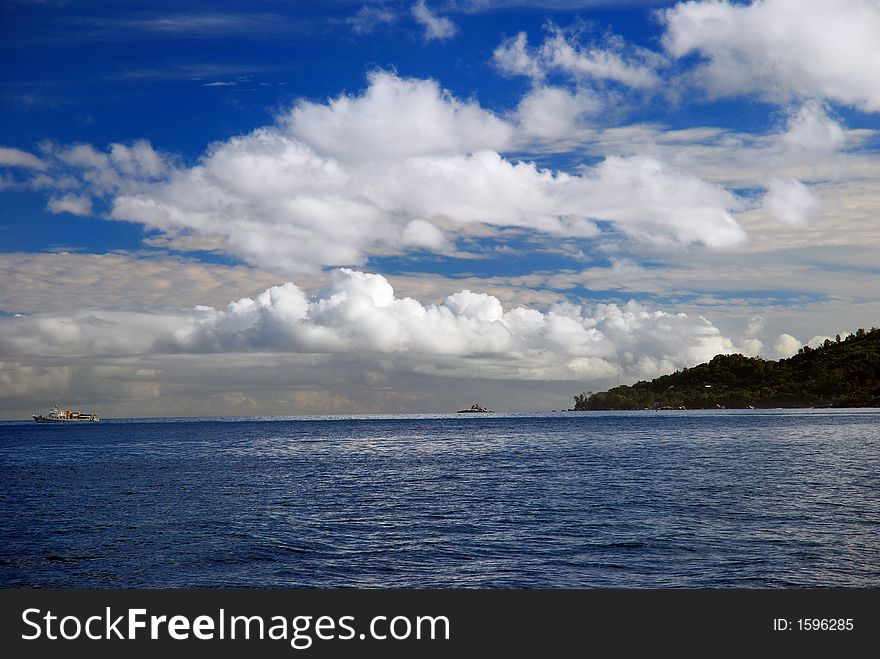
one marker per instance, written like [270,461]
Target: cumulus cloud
[555,110]
[811,131]
[786,346]
[549,113]
[436,27]
[610,60]
[662,197]
[422,234]
[819,340]
[750,347]
[756,324]
[73,204]
[395,168]
[782,49]
[791,202]
[397,118]
[469,334]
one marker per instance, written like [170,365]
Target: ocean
[678,499]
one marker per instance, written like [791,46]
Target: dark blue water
[645,499]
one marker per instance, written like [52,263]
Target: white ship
[57,415]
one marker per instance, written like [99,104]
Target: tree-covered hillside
[841,373]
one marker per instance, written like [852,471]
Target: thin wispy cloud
[196,25]
[370,18]
[437,28]
[610,59]
[10,157]
[194,71]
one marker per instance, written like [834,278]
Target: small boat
[475,409]
[57,415]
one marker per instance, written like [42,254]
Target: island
[844,372]
[475,409]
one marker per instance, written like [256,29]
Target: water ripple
[721,499]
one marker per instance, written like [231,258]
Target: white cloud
[513,57]
[610,60]
[791,202]
[786,346]
[86,333]
[10,157]
[397,118]
[606,62]
[423,234]
[333,183]
[756,324]
[119,169]
[468,335]
[819,340]
[552,114]
[662,205]
[73,204]
[750,347]
[782,49]
[809,145]
[368,18]
[811,131]
[436,27]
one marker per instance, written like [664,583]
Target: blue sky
[392,206]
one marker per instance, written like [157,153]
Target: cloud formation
[397,118]
[10,157]
[786,346]
[436,27]
[467,335]
[403,166]
[367,19]
[573,83]
[60,281]
[781,50]
[552,114]
[791,202]
[610,60]
[810,144]
[811,131]
[73,204]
